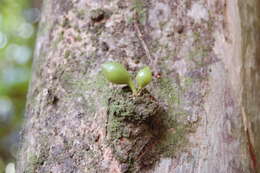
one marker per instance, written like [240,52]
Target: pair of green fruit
[117,74]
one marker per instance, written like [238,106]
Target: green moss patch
[140,131]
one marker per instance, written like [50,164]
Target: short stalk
[132,86]
[139,90]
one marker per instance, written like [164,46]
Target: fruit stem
[132,86]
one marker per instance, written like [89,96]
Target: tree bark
[204,55]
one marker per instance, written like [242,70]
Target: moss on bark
[139,130]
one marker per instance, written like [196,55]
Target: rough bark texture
[205,59]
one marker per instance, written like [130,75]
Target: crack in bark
[251,149]
[140,36]
[251,152]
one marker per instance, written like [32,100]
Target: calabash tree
[198,114]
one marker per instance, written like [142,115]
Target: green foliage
[2,166]
[17,36]
[117,74]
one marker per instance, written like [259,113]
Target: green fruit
[117,74]
[144,77]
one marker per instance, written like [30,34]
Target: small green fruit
[144,77]
[117,74]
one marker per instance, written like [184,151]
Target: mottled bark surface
[205,58]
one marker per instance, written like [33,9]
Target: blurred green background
[18,24]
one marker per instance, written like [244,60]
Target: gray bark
[205,58]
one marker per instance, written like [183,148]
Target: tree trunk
[204,55]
